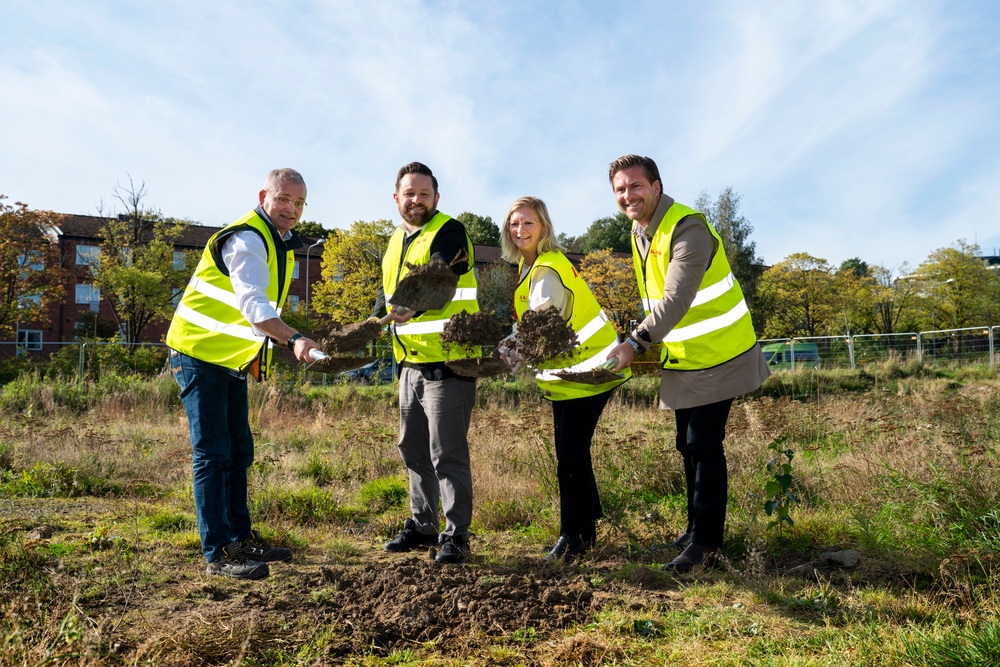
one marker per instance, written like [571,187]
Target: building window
[88,255]
[293,303]
[89,295]
[177,292]
[29,339]
[30,260]
[180,260]
[295,271]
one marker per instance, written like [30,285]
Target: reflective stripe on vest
[717,327]
[595,334]
[419,339]
[208,324]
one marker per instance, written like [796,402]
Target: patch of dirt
[349,337]
[428,286]
[418,600]
[544,334]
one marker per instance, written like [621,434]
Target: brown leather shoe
[693,555]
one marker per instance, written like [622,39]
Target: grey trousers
[434,418]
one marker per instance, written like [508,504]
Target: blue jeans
[215,399]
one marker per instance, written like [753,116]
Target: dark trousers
[700,432]
[579,502]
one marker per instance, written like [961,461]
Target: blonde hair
[548,241]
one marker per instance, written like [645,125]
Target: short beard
[415,219]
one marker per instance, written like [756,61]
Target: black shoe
[694,555]
[409,538]
[567,548]
[681,541]
[454,550]
[235,563]
[257,548]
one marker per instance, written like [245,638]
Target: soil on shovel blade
[350,337]
[544,334]
[428,286]
[593,376]
[479,367]
[471,329]
[338,364]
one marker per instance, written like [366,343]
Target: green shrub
[384,493]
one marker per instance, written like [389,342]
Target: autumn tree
[891,299]
[352,271]
[798,297]
[612,280]
[482,230]
[137,274]
[31,272]
[723,213]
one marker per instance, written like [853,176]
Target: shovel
[597,375]
[324,363]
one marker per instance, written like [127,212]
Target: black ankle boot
[567,548]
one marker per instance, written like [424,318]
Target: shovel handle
[317,354]
[388,316]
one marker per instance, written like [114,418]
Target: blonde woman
[547,279]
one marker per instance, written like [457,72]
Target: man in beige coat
[695,306]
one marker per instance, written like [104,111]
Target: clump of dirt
[471,329]
[544,334]
[418,600]
[479,367]
[349,337]
[593,376]
[428,286]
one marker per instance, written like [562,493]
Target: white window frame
[91,255]
[29,339]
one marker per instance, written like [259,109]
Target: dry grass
[905,473]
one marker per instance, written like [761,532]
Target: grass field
[100,562]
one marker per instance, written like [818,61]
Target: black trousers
[700,432]
[579,502]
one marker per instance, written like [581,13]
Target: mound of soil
[350,337]
[428,286]
[419,600]
[544,334]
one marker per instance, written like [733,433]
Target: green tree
[352,271]
[312,229]
[612,280]
[798,297]
[136,272]
[892,299]
[855,266]
[31,271]
[958,287]
[611,233]
[482,230]
[570,243]
[496,282]
[724,215]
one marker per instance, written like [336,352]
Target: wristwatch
[291,340]
[636,347]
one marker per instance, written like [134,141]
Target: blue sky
[868,129]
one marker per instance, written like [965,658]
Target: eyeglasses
[285,201]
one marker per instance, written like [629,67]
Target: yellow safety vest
[418,341]
[208,324]
[717,327]
[596,335]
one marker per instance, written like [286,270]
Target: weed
[778,499]
[384,493]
